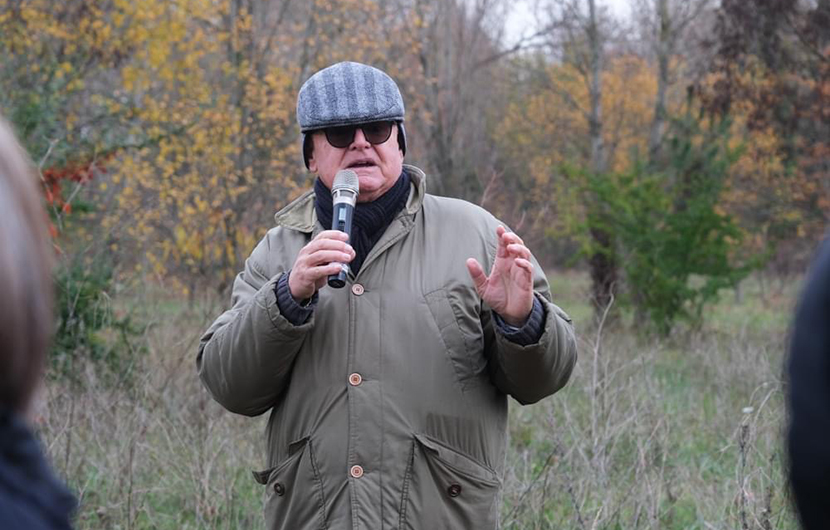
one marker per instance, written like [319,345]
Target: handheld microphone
[344,192]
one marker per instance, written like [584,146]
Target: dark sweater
[31,498]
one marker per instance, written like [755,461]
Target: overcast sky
[520,19]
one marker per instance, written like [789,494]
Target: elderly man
[388,397]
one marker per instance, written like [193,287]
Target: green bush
[88,329]
[676,249]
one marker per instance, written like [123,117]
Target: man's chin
[369,180]
[370,189]
[366,171]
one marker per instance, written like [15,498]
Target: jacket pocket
[445,489]
[461,337]
[293,491]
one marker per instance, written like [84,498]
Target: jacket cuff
[530,332]
[295,312]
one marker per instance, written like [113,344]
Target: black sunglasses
[375,133]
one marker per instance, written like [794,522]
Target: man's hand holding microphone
[326,257]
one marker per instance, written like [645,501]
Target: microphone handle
[341,220]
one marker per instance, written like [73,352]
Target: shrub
[88,328]
[676,247]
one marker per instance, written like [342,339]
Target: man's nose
[360,141]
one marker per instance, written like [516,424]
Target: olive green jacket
[389,406]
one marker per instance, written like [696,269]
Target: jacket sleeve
[534,371]
[246,355]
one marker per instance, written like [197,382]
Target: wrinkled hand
[321,257]
[509,288]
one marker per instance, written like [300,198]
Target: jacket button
[355,379]
[357,289]
[454,490]
[356,471]
[279,488]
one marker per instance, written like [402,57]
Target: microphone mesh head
[346,179]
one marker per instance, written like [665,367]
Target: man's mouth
[361,163]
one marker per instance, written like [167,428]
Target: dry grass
[681,433]
[155,452]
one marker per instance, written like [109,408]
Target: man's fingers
[330,240]
[502,234]
[325,245]
[332,234]
[327,256]
[512,238]
[518,250]
[318,259]
[305,280]
[524,269]
[525,264]
[329,244]
[477,274]
[506,240]
[319,272]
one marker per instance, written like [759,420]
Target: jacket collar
[300,214]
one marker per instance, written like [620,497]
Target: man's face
[377,166]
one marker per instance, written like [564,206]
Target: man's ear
[308,153]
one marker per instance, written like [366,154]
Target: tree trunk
[604,272]
[595,119]
[663,48]
[603,263]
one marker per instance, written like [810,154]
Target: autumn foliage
[173,124]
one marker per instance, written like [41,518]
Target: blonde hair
[26,258]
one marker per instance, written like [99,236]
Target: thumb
[477,274]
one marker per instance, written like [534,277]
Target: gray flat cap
[348,93]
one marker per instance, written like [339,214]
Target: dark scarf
[30,495]
[370,218]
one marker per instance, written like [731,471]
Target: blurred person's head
[25,276]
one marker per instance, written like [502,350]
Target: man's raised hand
[508,290]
